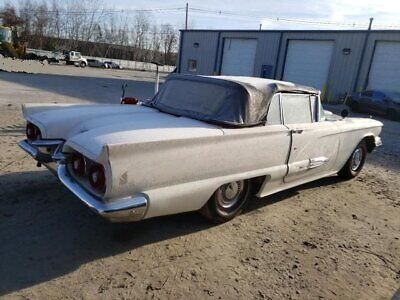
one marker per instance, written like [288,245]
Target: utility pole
[365,82]
[370,23]
[186,18]
[260,26]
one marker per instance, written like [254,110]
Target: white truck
[75,58]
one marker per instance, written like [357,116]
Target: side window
[314,108]
[296,108]
[321,112]
[274,112]
[317,111]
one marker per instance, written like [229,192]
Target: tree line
[92,28]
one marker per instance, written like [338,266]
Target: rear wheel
[355,163]
[82,64]
[228,201]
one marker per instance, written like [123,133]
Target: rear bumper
[43,158]
[127,209]
[32,151]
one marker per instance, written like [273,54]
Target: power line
[210,12]
[288,20]
[64,11]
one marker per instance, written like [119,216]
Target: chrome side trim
[122,210]
[317,162]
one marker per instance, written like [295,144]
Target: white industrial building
[337,62]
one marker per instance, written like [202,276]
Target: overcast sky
[254,12]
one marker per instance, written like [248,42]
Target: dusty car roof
[268,86]
[246,103]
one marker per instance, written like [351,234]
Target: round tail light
[32,132]
[97,177]
[78,164]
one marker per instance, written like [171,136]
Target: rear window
[192,96]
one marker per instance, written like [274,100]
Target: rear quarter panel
[181,175]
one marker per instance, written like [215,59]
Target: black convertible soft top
[226,100]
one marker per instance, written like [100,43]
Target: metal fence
[126,64]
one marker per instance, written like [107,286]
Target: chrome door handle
[297,131]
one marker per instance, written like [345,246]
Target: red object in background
[129,100]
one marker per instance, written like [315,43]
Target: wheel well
[370,141]
[257,182]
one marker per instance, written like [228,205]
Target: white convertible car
[202,143]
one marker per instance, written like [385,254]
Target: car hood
[89,128]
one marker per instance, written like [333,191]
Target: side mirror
[344,113]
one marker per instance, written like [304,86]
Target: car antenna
[124,86]
[157,79]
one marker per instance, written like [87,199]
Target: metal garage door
[385,68]
[308,62]
[239,56]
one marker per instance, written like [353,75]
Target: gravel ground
[329,239]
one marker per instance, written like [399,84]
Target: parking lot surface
[329,239]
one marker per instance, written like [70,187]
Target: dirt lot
[329,239]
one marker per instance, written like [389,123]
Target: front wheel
[228,201]
[355,163]
[82,64]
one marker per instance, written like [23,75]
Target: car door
[276,142]
[314,141]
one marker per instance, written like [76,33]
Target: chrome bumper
[122,210]
[33,149]
[378,141]
[34,152]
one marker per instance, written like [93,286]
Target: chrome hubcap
[229,194]
[356,159]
